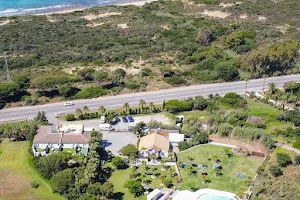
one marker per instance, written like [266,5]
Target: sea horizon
[28,7]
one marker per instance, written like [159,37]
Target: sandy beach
[136,3]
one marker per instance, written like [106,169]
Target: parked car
[124,119]
[130,118]
[117,119]
[68,104]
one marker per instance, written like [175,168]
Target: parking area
[115,140]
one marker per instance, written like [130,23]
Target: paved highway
[21,113]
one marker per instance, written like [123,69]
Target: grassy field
[246,165]
[17,172]
[119,178]
[269,114]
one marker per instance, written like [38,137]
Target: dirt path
[249,145]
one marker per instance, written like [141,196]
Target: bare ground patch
[216,14]
[4,22]
[102,15]
[249,145]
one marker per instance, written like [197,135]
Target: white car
[68,104]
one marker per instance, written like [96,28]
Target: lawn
[269,114]
[246,165]
[119,178]
[17,172]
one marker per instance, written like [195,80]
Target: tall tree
[85,109]
[126,106]
[78,111]
[100,76]
[142,103]
[101,110]
[272,88]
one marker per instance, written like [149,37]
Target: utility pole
[6,67]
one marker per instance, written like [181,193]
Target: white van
[105,127]
[68,104]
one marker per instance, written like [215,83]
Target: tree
[199,103]
[200,138]
[41,118]
[100,76]
[129,150]
[85,109]
[265,77]
[118,162]
[78,111]
[126,107]
[69,117]
[164,105]
[183,145]
[86,73]
[142,103]
[275,170]
[107,189]
[272,88]
[22,80]
[134,187]
[283,159]
[65,90]
[101,110]
[62,181]
[227,72]
[152,107]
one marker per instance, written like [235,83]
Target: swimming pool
[213,197]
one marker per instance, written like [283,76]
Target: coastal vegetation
[163,44]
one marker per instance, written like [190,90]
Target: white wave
[46,8]
[11,10]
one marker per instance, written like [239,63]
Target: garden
[216,167]
[147,177]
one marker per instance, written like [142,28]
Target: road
[110,102]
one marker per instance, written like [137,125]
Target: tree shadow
[118,196]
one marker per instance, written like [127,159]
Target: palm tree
[297,99]
[204,179]
[153,157]
[287,97]
[85,109]
[126,107]
[276,98]
[101,110]
[142,103]
[272,88]
[152,106]
[78,111]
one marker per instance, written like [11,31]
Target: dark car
[130,118]
[124,119]
[117,119]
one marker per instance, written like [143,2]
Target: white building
[62,136]
[154,195]
[204,194]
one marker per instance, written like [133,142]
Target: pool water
[213,197]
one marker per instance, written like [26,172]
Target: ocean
[20,7]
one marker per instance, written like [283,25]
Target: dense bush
[119,163]
[234,100]
[175,106]
[275,170]
[283,159]
[63,181]
[70,117]
[175,80]
[51,81]
[200,138]
[90,92]
[183,145]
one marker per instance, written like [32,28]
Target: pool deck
[186,194]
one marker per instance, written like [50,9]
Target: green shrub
[175,106]
[175,80]
[183,145]
[234,100]
[90,92]
[296,144]
[297,159]
[69,117]
[275,170]
[134,85]
[35,184]
[283,159]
